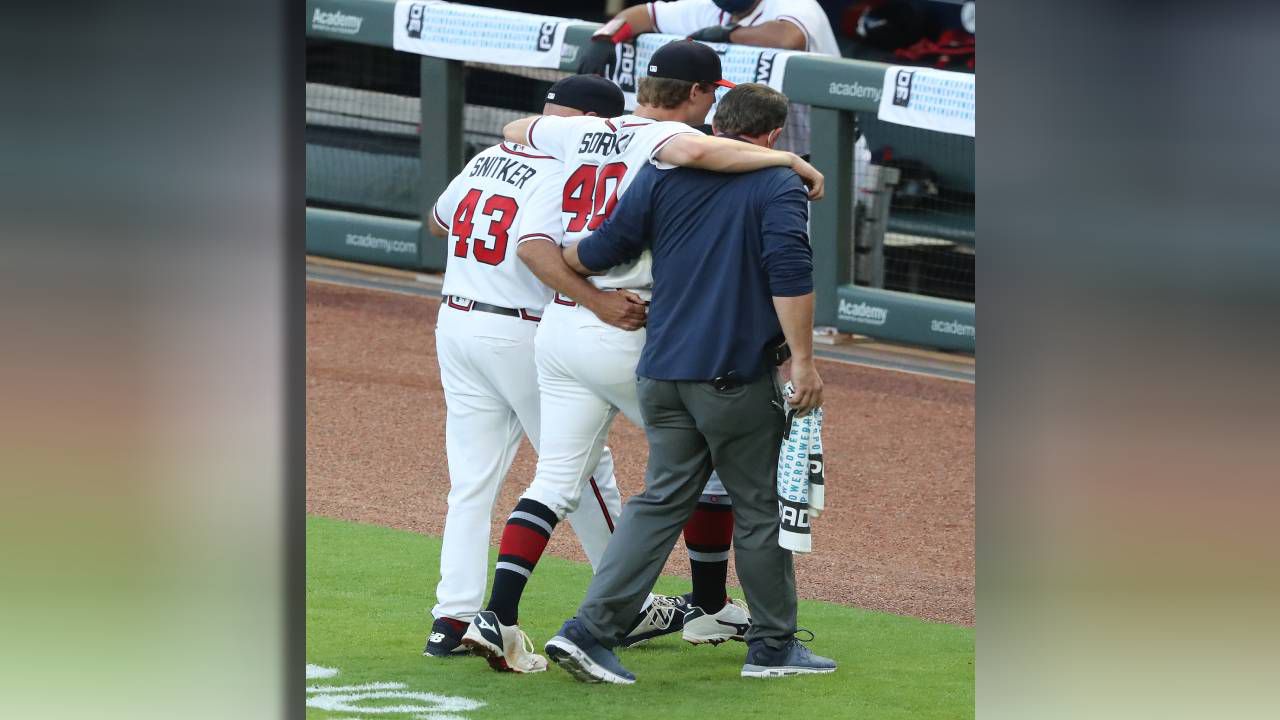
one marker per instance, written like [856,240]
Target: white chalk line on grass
[356,688]
[315,672]
[349,699]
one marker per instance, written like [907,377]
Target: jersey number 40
[590,194]
[501,211]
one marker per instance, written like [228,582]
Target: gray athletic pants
[693,427]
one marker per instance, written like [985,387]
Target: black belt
[460,303]
[728,381]
[776,354]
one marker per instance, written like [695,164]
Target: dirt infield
[897,536]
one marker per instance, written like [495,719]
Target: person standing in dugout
[732,296]
[785,24]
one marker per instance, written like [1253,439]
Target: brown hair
[750,110]
[666,93]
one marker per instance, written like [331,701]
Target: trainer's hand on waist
[622,309]
[807,385]
[809,175]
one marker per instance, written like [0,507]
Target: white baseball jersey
[684,17]
[505,194]
[601,157]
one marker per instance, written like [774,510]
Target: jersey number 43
[501,211]
[590,194]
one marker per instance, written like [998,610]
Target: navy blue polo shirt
[723,246]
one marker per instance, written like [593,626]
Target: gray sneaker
[791,659]
[583,657]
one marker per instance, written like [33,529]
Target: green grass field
[369,593]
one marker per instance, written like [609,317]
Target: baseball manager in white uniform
[491,308]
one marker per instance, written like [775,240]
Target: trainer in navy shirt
[732,274]
[723,246]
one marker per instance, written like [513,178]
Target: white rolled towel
[801,490]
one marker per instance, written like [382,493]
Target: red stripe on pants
[603,508]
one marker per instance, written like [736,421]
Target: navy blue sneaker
[583,657]
[444,641]
[791,659]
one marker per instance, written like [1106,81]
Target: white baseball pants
[491,396]
[587,375]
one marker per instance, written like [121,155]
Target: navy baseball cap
[687,60]
[588,93]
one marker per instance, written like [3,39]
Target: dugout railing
[848,242]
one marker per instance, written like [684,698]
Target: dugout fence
[894,246]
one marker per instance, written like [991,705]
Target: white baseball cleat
[730,623]
[506,647]
[664,615]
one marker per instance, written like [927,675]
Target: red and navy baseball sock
[708,535]
[523,540]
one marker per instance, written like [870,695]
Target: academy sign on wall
[336,21]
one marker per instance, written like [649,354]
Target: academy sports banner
[931,99]
[738,64]
[478,34]
[501,37]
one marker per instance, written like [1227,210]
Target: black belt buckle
[728,381]
[779,353]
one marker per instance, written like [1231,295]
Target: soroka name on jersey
[603,143]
